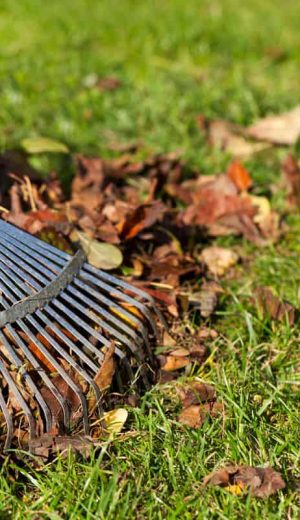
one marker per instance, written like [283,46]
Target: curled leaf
[115,420]
[99,254]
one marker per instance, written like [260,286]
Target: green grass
[175,60]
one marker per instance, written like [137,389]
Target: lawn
[174,60]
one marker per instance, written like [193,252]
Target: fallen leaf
[99,254]
[105,374]
[144,216]
[115,420]
[199,402]
[262,205]
[171,363]
[218,259]
[206,299]
[291,179]
[282,129]
[270,305]
[108,83]
[229,138]
[239,175]
[48,445]
[192,416]
[260,482]
[235,489]
[196,393]
[35,145]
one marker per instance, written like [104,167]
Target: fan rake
[58,317]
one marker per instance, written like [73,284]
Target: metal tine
[58,254]
[52,360]
[127,298]
[47,354]
[45,378]
[67,298]
[100,310]
[40,370]
[46,320]
[19,398]
[77,282]
[10,260]
[135,290]
[52,312]
[72,347]
[20,366]
[66,340]
[9,422]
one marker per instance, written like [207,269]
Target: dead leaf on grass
[281,129]
[172,362]
[270,305]
[115,420]
[48,445]
[218,259]
[199,402]
[260,482]
[229,138]
[291,179]
[239,175]
[206,299]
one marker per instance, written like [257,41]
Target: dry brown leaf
[218,259]
[196,393]
[281,129]
[228,137]
[291,179]
[46,445]
[270,305]
[206,299]
[105,374]
[192,416]
[171,363]
[199,402]
[261,482]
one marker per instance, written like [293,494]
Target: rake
[59,315]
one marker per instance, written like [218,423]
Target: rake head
[58,317]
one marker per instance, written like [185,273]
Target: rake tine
[52,360]
[49,268]
[15,269]
[60,256]
[46,270]
[63,295]
[17,361]
[43,317]
[20,399]
[9,422]
[39,368]
[41,372]
[55,308]
[65,339]
[11,263]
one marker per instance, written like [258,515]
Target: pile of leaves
[152,220]
[152,217]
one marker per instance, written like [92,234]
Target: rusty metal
[57,310]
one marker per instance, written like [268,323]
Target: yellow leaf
[235,489]
[115,420]
[263,207]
